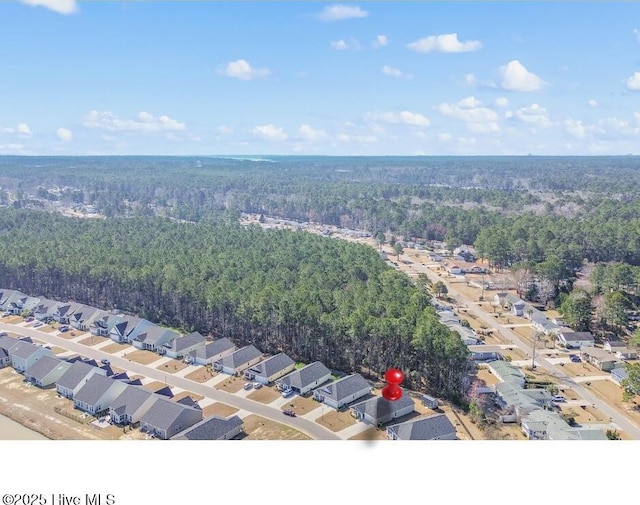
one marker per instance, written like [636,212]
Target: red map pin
[392,391]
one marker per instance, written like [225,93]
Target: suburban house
[343,391]
[180,347]
[25,354]
[547,425]
[506,372]
[480,354]
[44,310]
[238,361]
[74,378]
[543,324]
[166,418]
[379,410]
[131,404]
[6,343]
[152,337]
[575,339]
[454,270]
[599,358]
[618,375]
[5,297]
[121,331]
[305,379]
[19,303]
[46,371]
[436,427]
[83,316]
[213,428]
[97,393]
[270,369]
[212,351]
[102,325]
[64,311]
[519,401]
[620,350]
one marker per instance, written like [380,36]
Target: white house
[25,354]
[379,410]
[343,391]
[270,369]
[574,339]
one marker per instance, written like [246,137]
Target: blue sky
[344,78]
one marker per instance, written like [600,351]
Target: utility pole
[536,339]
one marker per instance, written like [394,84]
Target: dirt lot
[202,374]
[142,357]
[232,384]
[172,366]
[334,420]
[301,405]
[219,409]
[264,395]
[612,393]
[259,428]
[585,415]
[582,369]
[115,347]
[184,394]
[34,408]
[92,340]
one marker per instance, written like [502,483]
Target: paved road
[622,421]
[306,426]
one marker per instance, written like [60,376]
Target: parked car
[248,386]
[289,413]
[29,319]
[574,358]
[105,361]
[558,398]
[38,324]
[287,393]
[257,385]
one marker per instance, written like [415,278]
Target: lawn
[301,405]
[91,340]
[232,384]
[219,409]
[264,395]
[202,374]
[141,356]
[259,428]
[115,347]
[336,421]
[172,366]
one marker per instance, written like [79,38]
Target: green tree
[631,384]
[576,310]
[398,249]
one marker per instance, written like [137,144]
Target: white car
[248,385]
[287,393]
[257,385]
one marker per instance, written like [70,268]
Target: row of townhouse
[98,392]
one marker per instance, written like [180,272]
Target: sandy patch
[219,409]
[172,366]
[202,374]
[264,395]
[259,428]
[143,357]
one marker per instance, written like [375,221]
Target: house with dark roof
[131,404]
[101,326]
[44,310]
[238,361]
[64,311]
[303,380]
[182,346]
[343,391]
[5,297]
[46,371]
[378,410]
[74,378]
[166,418]
[212,351]
[213,428]
[436,427]
[270,369]
[152,337]
[122,330]
[19,303]
[97,393]
[574,339]
[25,354]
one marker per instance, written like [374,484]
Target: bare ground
[202,374]
[259,428]
[266,394]
[301,405]
[143,357]
[172,366]
[231,385]
[334,420]
[219,409]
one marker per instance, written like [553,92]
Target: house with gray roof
[303,380]
[618,375]
[166,418]
[44,310]
[436,427]
[152,338]
[123,330]
[212,351]
[131,404]
[574,339]
[520,401]
[74,378]
[6,343]
[599,358]
[63,312]
[83,317]
[378,410]
[343,391]
[25,354]
[182,346]
[270,369]
[620,350]
[547,425]
[213,428]
[506,372]
[5,297]
[19,303]
[238,361]
[101,326]
[46,371]
[97,393]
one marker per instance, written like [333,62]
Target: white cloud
[22,130]
[144,122]
[358,139]
[633,82]
[534,114]
[592,103]
[447,43]
[468,109]
[575,128]
[270,132]
[394,72]
[636,32]
[64,134]
[470,79]
[445,137]
[59,6]
[502,102]
[339,12]
[380,41]
[224,130]
[515,77]
[489,127]
[12,148]
[405,117]
[309,133]
[342,45]
[241,69]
